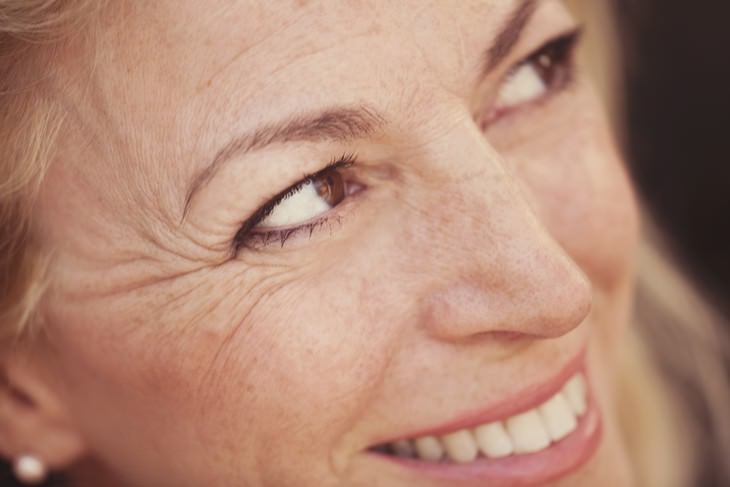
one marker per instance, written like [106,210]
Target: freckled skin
[471,263]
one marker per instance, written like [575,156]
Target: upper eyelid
[573,34]
[571,37]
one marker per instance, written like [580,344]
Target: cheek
[318,362]
[281,366]
[580,191]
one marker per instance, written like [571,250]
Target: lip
[525,470]
[527,399]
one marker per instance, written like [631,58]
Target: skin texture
[473,261]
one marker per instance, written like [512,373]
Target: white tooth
[429,448]
[528,432]
[404,449]
[460,446]
[575,392]
[494,440]
[558,417]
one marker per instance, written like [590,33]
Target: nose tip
[493,266]
[544,295]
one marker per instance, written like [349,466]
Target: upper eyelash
[344,161]
[566,42]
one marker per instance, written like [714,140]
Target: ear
[33,420]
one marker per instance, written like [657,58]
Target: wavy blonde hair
[670,315]
[29,123]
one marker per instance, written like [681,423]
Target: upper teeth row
[527,432]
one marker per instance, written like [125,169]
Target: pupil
[545,66]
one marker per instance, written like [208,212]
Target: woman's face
[292,234]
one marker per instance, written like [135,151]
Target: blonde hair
[686,345]
[29,124]
[673,385]
[670,314]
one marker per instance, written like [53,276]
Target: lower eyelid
[265,238]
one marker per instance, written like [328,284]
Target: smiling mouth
[527,432]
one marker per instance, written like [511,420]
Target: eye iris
[330,187]
[551,62]
[545,67]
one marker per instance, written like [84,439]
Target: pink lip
[526,470]
[525,400]
[532,470]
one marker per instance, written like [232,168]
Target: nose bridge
[493,266]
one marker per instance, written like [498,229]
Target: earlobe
[36,432]
[30,470]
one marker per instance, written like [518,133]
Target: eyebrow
[510,34]
[342,124]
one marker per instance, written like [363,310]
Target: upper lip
[524,400]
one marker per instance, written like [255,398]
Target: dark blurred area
[677,81]
[676,76]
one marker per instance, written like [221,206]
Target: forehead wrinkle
[293,17]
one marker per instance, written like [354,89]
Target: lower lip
[526,470]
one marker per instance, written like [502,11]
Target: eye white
[522,86]
[296,209]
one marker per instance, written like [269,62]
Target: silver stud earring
[30,470]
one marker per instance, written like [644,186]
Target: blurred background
[677,85]
[664,69]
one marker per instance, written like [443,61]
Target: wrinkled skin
[473,260]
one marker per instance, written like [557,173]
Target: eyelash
[248,237]
[559,50]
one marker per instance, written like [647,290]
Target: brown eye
[552,62]
[330,186]
[313,197]
[302,206]
[547,71]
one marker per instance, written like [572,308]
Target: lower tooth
[429,449]
[528,432]
[460,446]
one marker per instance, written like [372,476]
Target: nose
[492,266]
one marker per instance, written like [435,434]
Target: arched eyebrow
[342,124]
[509,35]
